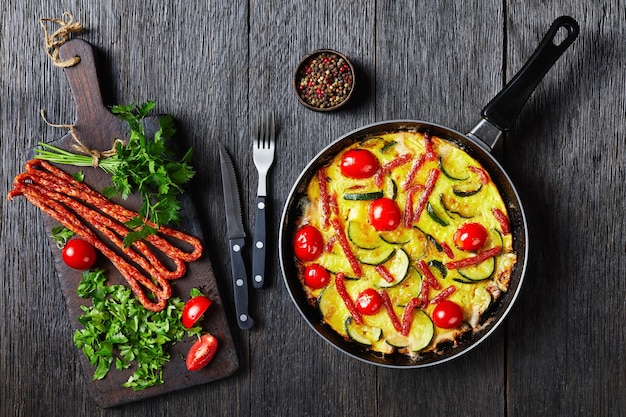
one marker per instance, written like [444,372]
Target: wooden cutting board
[96,127]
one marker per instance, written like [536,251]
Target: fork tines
[265,132]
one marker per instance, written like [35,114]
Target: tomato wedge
[201,352]
[194,309]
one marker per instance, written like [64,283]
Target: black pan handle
[504,108]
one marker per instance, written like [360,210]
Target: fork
[263,156]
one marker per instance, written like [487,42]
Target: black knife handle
[258,251]
[240,283]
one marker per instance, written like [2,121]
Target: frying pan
[497,117]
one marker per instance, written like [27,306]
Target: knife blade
[236,239]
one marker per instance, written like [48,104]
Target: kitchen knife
[236,239]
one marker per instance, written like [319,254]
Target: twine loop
[53,42]
[59,37]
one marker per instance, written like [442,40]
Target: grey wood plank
[34,337]
[442,63]
[294,371]
[566,339]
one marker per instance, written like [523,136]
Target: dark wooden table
[214,67]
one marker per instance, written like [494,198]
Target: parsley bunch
[117,328]
[143,164]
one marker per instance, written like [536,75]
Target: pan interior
[292,212]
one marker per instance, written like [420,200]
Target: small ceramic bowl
[324,80]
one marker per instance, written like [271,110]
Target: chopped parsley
[118,329]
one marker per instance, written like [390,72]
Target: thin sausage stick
[64,183]
[115,232]
[68,189]
[69,220]
[161,290]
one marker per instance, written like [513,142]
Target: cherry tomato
[79,254]
[308,243]
[194,309]
[359,163]
[201,352]
[316,276]
[470,236]
[384,214]
[368,302]
[447,314]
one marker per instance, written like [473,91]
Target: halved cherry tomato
[201,352]
[368,302]
[308,243]
[194,309]
[79,254]
[316,276]
[359,163]
[384,214]
[470,236]
[447,314]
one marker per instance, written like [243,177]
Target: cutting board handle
[93,118]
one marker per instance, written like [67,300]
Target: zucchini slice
[430,238]
[363,334]
[463,281]
[400,236]
[333,310]
[397,340]
[420,335]
[467,190]
[452,170]
[390,188]
[453,207]
[479,272]
[363,235]
[388,145]
[422,331]
[437,217]
[334,262]
[439,266]
[371,195]
[410,287]
[376,256]
[398,267]
[496,237]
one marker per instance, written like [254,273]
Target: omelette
[406,243]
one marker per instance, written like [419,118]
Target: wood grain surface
[214,66]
